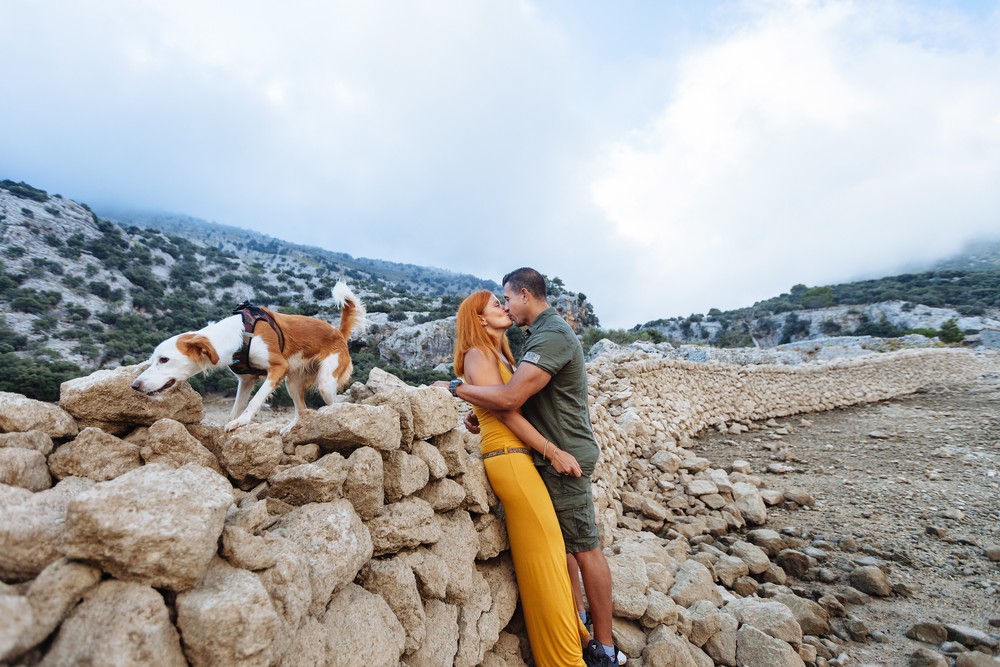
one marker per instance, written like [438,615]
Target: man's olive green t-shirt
[560,410]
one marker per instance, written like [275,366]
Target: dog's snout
[137,385]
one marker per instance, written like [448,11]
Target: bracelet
[545,447]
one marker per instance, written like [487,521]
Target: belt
[511,450]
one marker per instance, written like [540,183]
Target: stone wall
[644,402]
[135,533]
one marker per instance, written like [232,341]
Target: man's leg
[597,583]
[574,580]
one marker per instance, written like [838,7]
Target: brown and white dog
[315,354]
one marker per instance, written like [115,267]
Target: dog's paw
[287,428]
[235,424]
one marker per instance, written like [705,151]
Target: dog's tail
[352,311]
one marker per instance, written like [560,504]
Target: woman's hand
[472,422]
[564,463]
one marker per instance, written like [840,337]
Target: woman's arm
[481,369]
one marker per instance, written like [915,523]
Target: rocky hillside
[79,292]
[959,296]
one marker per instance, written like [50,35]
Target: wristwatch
[453,386]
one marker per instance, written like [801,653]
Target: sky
[662,157]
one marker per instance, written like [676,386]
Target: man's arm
[527,381]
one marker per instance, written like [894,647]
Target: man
[550,388]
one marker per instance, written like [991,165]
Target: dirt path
[913,483]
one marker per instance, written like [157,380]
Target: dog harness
[251,316]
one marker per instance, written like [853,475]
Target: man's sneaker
[594,655]
[622,659]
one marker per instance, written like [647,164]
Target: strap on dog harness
[251,316]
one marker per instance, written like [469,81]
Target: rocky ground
[912,485]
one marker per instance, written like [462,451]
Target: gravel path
[912,485]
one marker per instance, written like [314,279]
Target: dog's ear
[198,347]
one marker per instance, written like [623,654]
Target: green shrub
[950,333]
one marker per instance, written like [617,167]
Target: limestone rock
[228,619]
[24,468]
[169,442]
[250,454]
[772,618]
[452,449]
[872,580]
[749,503]
[397,398]
[380,645]
[16,620]
[706,621]
[106,397]
[498,574]
[21,414]
[629,585]
[434,411]
[457,546]
[443,495]
[32,527]
[751,554]
[479,495]
[811,617]
[492,532]
[287,583]
[721,646]
[754,647]
[403,525]
[36,440]
[118,623]
[95,455]
[365,483]
[667,649]
[693,582]
[308,647]
[55,591]
[405,474]
[318,482]
[157,525]
[334,543]
[437,467]
[441,643]
[347,426]
[393,580]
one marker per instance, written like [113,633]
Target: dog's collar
[251,316]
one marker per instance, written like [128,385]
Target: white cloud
[816,143]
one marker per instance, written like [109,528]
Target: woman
[483,357]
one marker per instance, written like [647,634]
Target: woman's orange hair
[470,333]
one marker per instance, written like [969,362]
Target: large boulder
[19,413]
[50,597]
[228,619]
[318,482]
[32,527]
[251,453]
[404,525]
[37,440]
[435,411]
[25,468]
[95,455]
[383,639]
[106,399]
[393,580]
[168,441]
[334,543]
[157,525]
[118,623]
[347,426]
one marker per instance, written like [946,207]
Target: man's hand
[564,463]
[443,384]
[472,422]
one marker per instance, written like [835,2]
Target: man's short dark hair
[528,279]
